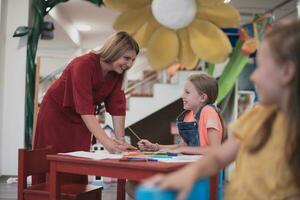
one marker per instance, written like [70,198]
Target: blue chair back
[220,185]
[199,191]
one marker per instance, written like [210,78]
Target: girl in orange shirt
[200,125]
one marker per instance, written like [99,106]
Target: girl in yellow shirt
[266,140]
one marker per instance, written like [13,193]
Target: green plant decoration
[210,68]
[231,71]
[22,31]
[41,8]
[246,45]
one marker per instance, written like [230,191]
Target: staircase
[153,98]
[163,94]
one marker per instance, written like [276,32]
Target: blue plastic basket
[199,191]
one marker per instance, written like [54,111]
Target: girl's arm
[214,137]
[294,198]
[208,165]
[146,145]
[172,146]
[214,141]
[191,150]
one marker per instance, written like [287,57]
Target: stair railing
[128,91]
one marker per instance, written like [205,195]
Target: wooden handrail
[142,82]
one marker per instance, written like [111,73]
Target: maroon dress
[79,89]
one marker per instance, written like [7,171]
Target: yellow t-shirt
[264,175]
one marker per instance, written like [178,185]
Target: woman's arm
[119,127]
[92,124]
[208,165]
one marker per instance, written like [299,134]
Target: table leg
[121,189]
[54,182]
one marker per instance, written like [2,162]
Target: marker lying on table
[151,153]
[139,159]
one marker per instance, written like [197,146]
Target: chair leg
[92,195]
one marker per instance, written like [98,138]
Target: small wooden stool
[34,163]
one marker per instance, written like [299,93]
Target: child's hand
[146,145]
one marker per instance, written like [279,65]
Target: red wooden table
[122,170]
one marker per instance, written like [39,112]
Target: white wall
[2,42]
[13,84]
[298,9]
[53,58]
[50,64]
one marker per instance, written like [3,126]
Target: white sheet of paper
[93,155]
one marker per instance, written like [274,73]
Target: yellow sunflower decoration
[181,31]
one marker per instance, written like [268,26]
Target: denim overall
[189,131]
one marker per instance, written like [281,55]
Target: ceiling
[65,15]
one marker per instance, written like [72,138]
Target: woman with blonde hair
[67,119]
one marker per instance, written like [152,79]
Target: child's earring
[203,97]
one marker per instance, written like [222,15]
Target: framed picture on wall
[245,101]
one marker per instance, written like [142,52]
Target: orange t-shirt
[209,118]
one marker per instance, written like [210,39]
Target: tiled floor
[9,191]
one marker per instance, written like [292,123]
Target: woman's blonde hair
[116,45]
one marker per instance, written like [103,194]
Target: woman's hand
[125,145]
[112,146]
[185,175]
[146,145]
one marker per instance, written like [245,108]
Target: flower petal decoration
[131,20]
[186,56]
[126,5]
[178,31]
[163,48]
[209,2]
[223,15]
[143,35]
[209,42]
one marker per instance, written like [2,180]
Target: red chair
[34,163]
